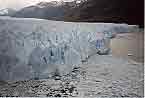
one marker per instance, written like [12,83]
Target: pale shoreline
[129,46]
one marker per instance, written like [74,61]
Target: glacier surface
[31,48]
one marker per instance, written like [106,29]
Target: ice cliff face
[32,48]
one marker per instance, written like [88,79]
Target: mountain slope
[7,12]
[128,11]
[46,10]
[116,11]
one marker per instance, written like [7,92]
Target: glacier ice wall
[32,48]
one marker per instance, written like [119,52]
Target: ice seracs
[40,47]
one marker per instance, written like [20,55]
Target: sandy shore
[129,45]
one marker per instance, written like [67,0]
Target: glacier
[31,48]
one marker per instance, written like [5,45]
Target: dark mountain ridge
[116,11]
[47,10]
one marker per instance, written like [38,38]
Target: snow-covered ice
[32,48]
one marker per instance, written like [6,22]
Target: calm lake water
[129,45]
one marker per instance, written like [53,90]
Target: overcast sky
[17,4]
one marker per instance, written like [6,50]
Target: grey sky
[17,4]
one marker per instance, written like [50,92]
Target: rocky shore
[56,86]
[94,80]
